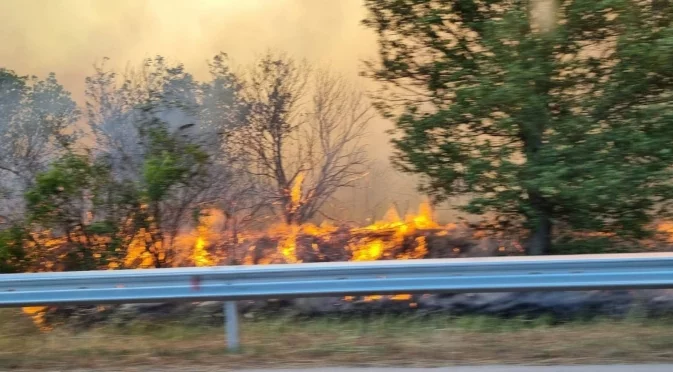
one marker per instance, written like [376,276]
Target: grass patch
[383,340]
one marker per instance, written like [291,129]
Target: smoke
[69,36]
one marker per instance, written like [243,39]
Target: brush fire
[415,236]
[393,237]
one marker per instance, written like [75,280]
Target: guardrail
[231,283]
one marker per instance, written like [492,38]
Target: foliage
[171,165]
[168,134]
[541,118]
[79,215]
[170,162]
[37,124]
[591,245]
[12,253]
[59,192]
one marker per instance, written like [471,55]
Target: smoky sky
[68,36]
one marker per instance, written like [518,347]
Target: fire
[287,246]
[205,232]
[200,255]
[379,240]
[38,315]
[424,220]
[392,237]
[367,249]
[137,255]
[666,228]
[295,192]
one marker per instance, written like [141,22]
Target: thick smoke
[69,36]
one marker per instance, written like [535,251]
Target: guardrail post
[231,325]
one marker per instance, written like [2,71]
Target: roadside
[378,341]
[585,368]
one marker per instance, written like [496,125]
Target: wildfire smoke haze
[223,152]
[68,36]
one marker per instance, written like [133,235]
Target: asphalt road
[588,368]
[593,368]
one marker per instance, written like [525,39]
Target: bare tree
[303,134]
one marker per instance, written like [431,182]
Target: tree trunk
[539,242]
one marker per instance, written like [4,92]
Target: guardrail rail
[232,283]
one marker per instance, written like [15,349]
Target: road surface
[588,368]
[612,368]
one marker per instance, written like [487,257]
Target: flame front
[379,240]
[392,237]
[199,247]
[367,249]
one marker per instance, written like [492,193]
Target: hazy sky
[68,36]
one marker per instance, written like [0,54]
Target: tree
[175,174]
[222,113]
[566,123]
[302,138]
[168,133]
[12,252]
[118,104]
[78,217]
[37,124]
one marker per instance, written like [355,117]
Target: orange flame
[666,228]
[364,243]
[368,249]
[287,246]
[295,191]
[200,255]
[205,236]
[392,237]
[137,255]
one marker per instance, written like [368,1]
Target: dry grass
[384,340]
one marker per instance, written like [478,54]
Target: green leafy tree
[12,253]
[37,124]
[557,118]
[78,217]
[172,165]
[168,134]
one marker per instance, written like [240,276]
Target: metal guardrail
[231,283]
